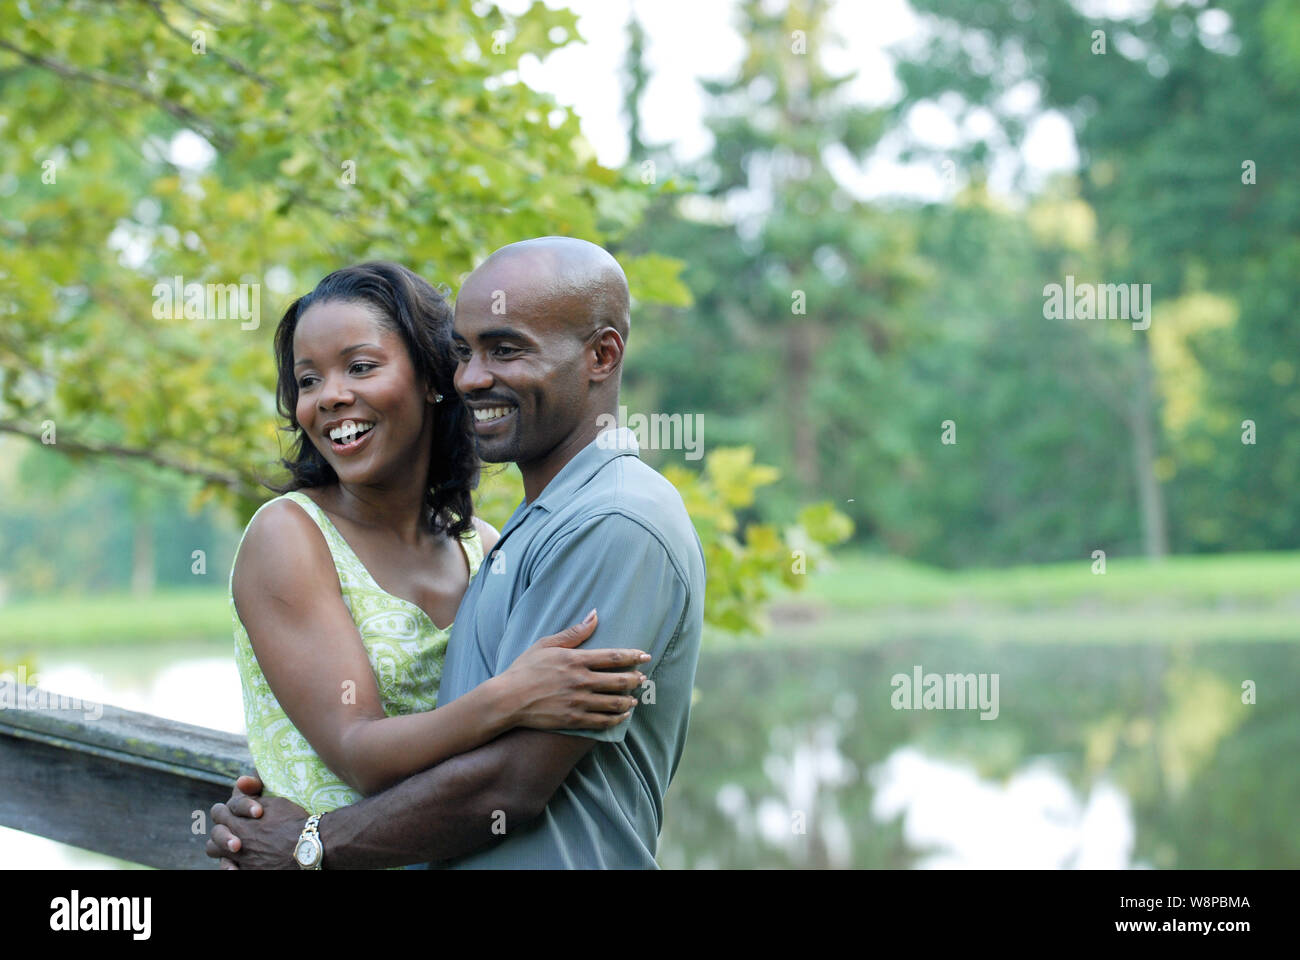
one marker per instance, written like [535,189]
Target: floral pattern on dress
[406,652]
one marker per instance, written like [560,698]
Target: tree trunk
[1151,501]
[142,560]
[799,353]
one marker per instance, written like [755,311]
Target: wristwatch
[310,852]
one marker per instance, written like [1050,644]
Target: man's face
[521,369]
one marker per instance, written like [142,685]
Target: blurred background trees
[832,335]
[181,144]
[1185,117]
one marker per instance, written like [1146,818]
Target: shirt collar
[608,445]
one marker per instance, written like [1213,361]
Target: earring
[437,398]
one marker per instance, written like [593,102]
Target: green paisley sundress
[406,652]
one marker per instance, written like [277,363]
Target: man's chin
[496,450]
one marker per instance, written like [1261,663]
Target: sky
[691,40]
[688,40]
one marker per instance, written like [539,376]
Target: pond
[1096,756]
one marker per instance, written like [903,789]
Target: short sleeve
[618,566]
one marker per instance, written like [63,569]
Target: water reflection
[1102,756]
[1034,821]
[799,814]
[202,690]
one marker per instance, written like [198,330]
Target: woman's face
[359,399]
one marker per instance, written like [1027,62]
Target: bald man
[540,332]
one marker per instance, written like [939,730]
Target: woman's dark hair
[408,305]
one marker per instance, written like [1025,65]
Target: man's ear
[608,349]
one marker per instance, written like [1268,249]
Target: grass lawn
[837,627]
[167,615]
[859,581]
[860,599]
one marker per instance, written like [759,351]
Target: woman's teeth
[491,413]
[349,430]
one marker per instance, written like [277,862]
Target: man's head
[539,334]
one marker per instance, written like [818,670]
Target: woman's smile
[346,437]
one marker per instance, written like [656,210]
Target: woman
[344,589]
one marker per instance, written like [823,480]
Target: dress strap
[472,543]
[339,549]
[345,558]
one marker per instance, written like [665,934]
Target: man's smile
[487,419]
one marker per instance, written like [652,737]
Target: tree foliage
[1185,116]
[250,149]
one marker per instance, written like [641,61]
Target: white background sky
[692,39]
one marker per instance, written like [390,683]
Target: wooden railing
[130,785]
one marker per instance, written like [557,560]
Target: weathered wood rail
[124,784]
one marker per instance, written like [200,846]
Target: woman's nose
[334,392]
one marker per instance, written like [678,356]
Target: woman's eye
[361,363]
[305,382]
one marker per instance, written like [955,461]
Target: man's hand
[250,833]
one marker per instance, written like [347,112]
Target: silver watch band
[310,837]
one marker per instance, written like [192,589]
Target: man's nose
[472,375]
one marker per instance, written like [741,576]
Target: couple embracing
[419,689]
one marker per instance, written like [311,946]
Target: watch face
[306,853]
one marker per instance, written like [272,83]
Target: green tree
[1184,118]
[319,151]
[1030,473]
[817,272]
[795,330]
[252,149]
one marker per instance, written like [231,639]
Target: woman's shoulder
[292,514]
[487,534]
[477,541]
[281,536]
[277,503]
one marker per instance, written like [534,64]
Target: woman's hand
[554,687]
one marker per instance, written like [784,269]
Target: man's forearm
[438,814]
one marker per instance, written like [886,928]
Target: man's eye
[502,351]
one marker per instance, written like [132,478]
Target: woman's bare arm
[287,596]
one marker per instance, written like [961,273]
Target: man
[540,329]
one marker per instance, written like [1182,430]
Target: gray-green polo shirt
[607,532]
